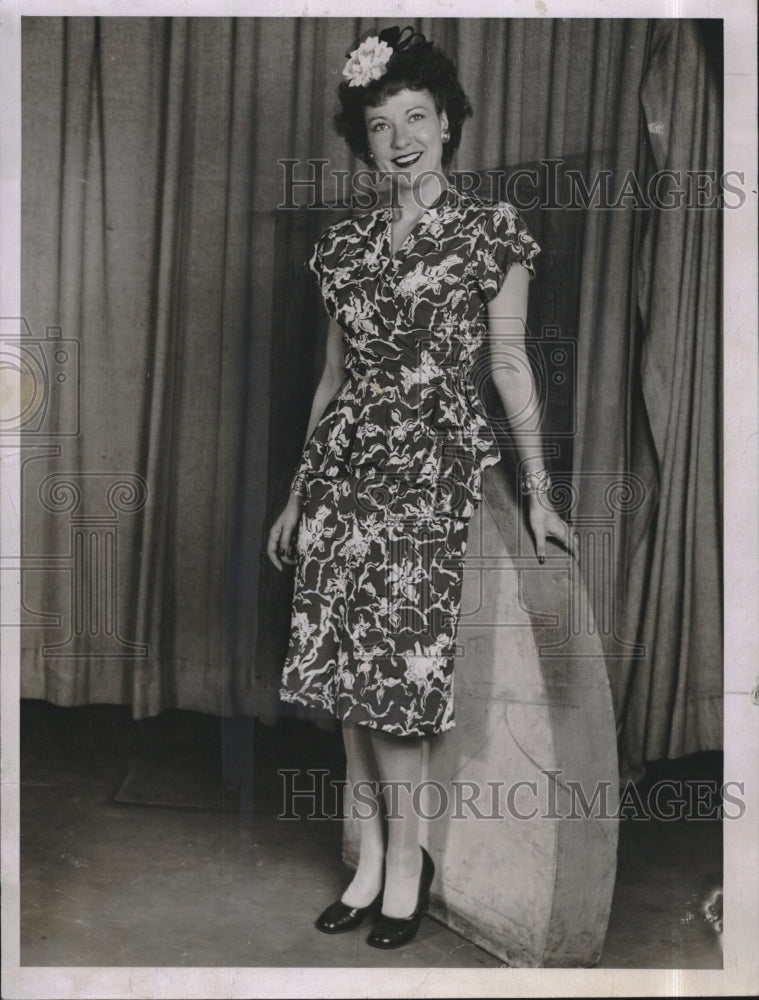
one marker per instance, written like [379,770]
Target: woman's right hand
[281,547]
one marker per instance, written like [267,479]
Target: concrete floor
[105,883]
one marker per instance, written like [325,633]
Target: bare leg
[399,760]
[362,766]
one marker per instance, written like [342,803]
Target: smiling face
[405,134]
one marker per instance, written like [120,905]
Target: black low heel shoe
[339,917]
[392,932]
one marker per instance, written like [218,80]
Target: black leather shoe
[339,917]
[392,932]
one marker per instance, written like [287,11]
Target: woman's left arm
[512,376]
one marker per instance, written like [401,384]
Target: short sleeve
[315,263]
[331,254]
[504,240]
[319,267]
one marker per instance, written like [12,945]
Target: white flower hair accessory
[368,62]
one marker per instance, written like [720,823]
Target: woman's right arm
[280,548]
[333,375]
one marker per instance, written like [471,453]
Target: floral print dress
[392,472]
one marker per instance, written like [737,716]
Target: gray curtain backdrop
[152,239]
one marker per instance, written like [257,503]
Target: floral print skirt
[376,604]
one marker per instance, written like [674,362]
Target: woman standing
[397,440]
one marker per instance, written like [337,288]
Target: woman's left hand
[546,523]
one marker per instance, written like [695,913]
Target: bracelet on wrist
[531,483]
[298,485]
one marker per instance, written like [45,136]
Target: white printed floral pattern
[393,467]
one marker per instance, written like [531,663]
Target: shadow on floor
[163,843]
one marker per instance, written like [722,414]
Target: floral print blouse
[413,323]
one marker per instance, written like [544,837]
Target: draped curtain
[154,245]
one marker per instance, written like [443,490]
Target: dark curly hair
[419,65]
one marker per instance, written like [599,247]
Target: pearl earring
[445,135]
